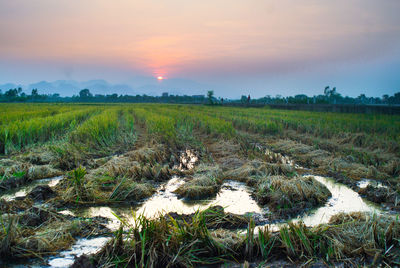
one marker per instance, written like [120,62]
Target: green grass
[24,124]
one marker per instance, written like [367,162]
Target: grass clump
[39,232]
[164,242]
[254,172]
[349,239]
[291,195]
[126,190]
[205,182]
[216,218]
[95,189]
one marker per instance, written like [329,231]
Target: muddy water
[82,246]
[234,197]
[24,190]
[365,182]
[343,199]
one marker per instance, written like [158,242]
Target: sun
[160,78]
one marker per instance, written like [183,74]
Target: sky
[257,47]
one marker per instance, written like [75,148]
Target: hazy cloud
[250,42]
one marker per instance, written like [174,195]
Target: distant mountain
[136,85]
[71,87]
[8,86]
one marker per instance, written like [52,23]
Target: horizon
[247,47]
[107,88]
[103,87]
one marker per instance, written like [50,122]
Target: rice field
[195,185]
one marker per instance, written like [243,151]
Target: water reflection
[343,199]
[82,246]
[365,182]
[234,197]
[24,190]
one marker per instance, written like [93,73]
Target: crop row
[97,124]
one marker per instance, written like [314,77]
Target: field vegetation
[123,154]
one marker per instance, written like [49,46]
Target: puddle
[343,199]
[64,258]
[82,246]
[24,190]
[365,182]
[107,212]
[234,197]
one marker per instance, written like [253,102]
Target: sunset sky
[235,47]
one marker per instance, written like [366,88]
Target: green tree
[11,93]
[210,96]
[85,94]
[34,93]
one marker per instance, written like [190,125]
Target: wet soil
[234,198]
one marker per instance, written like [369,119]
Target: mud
[41,193]
[236,184]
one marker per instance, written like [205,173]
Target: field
[195,185]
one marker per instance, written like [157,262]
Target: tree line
[329,96]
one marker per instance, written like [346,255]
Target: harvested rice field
[150,185]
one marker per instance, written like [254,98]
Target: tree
[11,93]
[362,98]
[327,91]
[385,98]
[396,98]
[330,92]
[85,94]
[210,96]
[34,92]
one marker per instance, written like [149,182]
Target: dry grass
[205,182]
[215,218]
[291,195]
[38,232]
[104,190]
[349,239]
[253,171]
[14,173]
